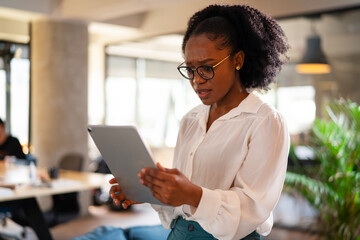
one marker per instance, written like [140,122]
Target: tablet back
[125,154]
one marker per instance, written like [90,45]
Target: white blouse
[240,163]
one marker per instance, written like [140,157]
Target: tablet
[126,154]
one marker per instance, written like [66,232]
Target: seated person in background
[9,145]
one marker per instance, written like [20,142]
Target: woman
[231,154]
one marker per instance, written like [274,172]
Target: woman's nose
[198,79]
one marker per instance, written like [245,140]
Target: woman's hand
[170,186]
[118,196]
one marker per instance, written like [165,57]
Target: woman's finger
[116,201]
[156,189]
[155,173]
[113,181]
[125,204]
[160,167]
[153,181]
[113,190]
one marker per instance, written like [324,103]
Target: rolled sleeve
[209,200]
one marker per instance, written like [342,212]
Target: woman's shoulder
[268,111]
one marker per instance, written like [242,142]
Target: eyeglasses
[206,72]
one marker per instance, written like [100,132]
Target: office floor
[137,215]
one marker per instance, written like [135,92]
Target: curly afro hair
[244,28]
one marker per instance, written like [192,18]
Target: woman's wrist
[195,196]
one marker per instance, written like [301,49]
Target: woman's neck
[221,108]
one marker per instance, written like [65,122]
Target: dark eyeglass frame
[197,69]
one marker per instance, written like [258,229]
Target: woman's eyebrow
[200,63]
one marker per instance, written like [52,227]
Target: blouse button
[190,228]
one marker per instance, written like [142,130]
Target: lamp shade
[314,60]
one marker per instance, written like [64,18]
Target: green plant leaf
[334,189]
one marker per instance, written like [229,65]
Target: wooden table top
[17,176]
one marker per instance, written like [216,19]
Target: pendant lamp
[314,60]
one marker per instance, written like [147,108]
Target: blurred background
[65,64]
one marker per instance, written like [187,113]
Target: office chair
[65,206]
[72,161]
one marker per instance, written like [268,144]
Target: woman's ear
[239,59]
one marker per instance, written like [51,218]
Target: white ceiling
[150,28]
[145,18]
[108,10]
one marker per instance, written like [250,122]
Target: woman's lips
[203,93]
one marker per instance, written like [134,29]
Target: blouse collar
[250,104]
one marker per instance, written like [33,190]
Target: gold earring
[238,68]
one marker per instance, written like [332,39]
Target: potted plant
[334,188]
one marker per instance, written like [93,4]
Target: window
[298,106]
[15,111]
[2,94]
[120,91]
[150,94]
[20,99]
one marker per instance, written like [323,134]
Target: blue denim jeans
[182,229]
[135,233]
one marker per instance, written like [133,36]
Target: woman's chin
[206,101]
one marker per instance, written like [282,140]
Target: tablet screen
[126,154]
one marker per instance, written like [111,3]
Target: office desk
[25,195]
